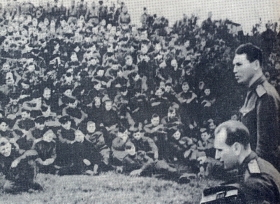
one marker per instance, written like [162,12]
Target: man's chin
[7,154]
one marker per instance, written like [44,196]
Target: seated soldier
[110,117]
[180,145]
[85,158]
[25,140]
[7,133]
[46,149]
[145,144]
[18,169]
[172,119]
[40,127]
[66,137]
[118,150]
[96,138]
[157,132]
[25,123]
[258,180]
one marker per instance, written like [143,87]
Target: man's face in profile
[225,153]
[243,69]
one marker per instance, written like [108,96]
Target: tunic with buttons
[261,116]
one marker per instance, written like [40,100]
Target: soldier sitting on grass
[46,148]
[118,146]
[85,158]
[144,143]
[156,131]
[19,169]
[96,138]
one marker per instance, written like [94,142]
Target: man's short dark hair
[3,141]
[3,120]
[236,132]
[40,120]
[25,110]
[128,145]
[253,52]
[64,119]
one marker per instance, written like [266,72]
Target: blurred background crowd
[86,63]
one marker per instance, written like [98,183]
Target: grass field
[109,188]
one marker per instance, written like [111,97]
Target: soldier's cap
[202,130]
[40,120]
[145,40]
[68,100]
[136,129]
[90,122]
[64,119]
[128,145]
[49,132]
[121,129]
[95,82]
[210,120]
[106,99]
[3,141]
[4,120]
[172,130]
[123,89]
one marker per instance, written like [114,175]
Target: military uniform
[98,142]
[261,112]
[64,146]
[118,150]
[259,180]
[142,161]
[146,144]
[22,177]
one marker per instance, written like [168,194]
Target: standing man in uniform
[261,109]
[259,181]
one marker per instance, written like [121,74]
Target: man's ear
[257,64]
[237,148]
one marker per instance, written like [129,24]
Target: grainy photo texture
[139,101]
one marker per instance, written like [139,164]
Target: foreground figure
[261,109]
[19,169]
[258,180]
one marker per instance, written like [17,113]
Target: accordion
[225,194]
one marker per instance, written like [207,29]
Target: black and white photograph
[137,101]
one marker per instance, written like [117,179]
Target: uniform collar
[257,82]
[246,161]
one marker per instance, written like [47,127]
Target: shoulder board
[253,167]
[260,90]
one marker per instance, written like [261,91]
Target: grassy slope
[110,188]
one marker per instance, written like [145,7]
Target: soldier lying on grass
[140,164]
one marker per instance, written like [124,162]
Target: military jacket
[259,180]
[260,114]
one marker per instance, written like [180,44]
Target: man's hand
[136,172]
[86,162]
[15,163]
[202,159]
[40,161]
[156,155]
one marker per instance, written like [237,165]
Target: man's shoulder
[268,168]
[146,139]
[266,88]
[261,172]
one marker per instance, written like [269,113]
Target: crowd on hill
[83,86]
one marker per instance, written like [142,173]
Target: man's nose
[234,69]
[217,155]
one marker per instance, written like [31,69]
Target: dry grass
[110,188]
